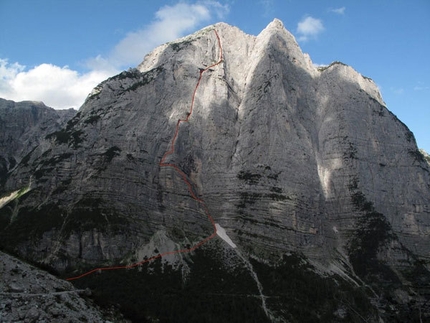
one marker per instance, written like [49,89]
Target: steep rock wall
[287,157]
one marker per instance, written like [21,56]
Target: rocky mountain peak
[276,28]
[304,170]
[276,24]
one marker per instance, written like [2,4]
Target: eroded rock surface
[287,157]
[28,294]
[23,127]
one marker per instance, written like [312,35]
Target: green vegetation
[177,46]
[23,191]
[417,273]
[92,119]
[72,138]
[71,123]
[301,295]
[28,224]
[323,68]
[130,73]
[141,79]
[157,293]
[31,223]
[61,137]
[372,232]
[68,135]
[418,156]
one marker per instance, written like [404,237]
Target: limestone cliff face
[23,125]
[287,157]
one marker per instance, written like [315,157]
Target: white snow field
[221,232]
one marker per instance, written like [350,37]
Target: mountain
[28,294]
[22,126]
[228,179]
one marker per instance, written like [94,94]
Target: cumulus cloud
[339,11]
[8,73]
[308,28]
[58,87]
[62,87]
[170,22]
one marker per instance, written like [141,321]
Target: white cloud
[339,11]
[171,22]
[62,87]
[58,87]
[8,73]
[309,27]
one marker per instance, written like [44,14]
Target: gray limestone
[29,295]
[286,156]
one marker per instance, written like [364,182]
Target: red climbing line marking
[184,178]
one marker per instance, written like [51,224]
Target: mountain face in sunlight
[320,191]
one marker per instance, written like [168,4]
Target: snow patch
[223,235]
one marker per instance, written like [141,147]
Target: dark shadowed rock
[32,295]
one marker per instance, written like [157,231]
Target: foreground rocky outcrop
[305,168]
[28,294]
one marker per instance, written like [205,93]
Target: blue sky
[56,51]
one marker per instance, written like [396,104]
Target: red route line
[184,178]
